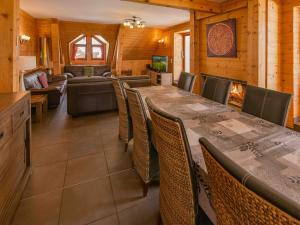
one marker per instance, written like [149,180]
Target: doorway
[181,53]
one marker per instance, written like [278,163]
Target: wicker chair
[216,89]
[267,104]
[125,124]
[145,157]
[186,81]
[178,186]
[239,198]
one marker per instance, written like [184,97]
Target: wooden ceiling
[212,6]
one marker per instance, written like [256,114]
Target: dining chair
[145,157]
[186,81]
[178,186]
[267,104]
[125,123]
[240,198]
[216,89]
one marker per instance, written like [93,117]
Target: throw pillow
[44,81]
[88,71]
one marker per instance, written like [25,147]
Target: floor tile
[85,146]
[86,168]
[118,160]
[87,202]
[112,220]
[50,154]
[144,213]
[128,189]
[39,210]
[45,179]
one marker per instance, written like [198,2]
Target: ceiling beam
[197,5]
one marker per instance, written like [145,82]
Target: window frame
[79,45]
[102,47]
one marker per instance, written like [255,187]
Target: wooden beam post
[56,48]
[257,42]
[195,50]
[120,43]
[197,5]
[9,45]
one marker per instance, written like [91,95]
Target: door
[186,52]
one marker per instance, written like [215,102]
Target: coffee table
[40,103]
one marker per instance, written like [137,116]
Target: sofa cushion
[77,70]
[88,71]
[43,80]
[31,81]
[88,79]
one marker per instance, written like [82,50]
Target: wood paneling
[167,49]
[56,49]
[135,48]
[70,30]
[199,5]
[138,67]
[235,68]
[9,46]
[140,44]
[28,26]
[290,58]
[273,45]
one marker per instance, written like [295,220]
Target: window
[86,49]
[98,48]
[79,49]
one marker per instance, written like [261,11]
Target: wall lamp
[162,42]
[24,38]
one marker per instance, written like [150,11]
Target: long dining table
[269,152]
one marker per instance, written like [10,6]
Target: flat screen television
[160,63]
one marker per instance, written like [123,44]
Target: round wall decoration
[221,39]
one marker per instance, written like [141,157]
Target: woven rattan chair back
[124,120]
[141,144]
[178,190]
[233,201]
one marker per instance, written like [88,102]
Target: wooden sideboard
[15,133]
[160,78]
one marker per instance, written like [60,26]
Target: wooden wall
[70,30]
[28,26]
[140,44]
[290,59]
[9,47]
[235,68]
[167,49]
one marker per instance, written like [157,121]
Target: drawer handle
[22,113]
[1,135]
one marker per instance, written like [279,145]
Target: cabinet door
[12,169]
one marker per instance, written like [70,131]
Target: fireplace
[237,93]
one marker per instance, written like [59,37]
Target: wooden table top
[269,152]
[35,99]
[7,100]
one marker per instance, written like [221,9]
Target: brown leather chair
[186,81]
[267,104]
[216,89]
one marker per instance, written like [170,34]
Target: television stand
[158,78]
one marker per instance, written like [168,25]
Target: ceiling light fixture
[134,22]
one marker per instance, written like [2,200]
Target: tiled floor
[81,175]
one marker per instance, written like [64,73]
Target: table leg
[45,109]
[39,112]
